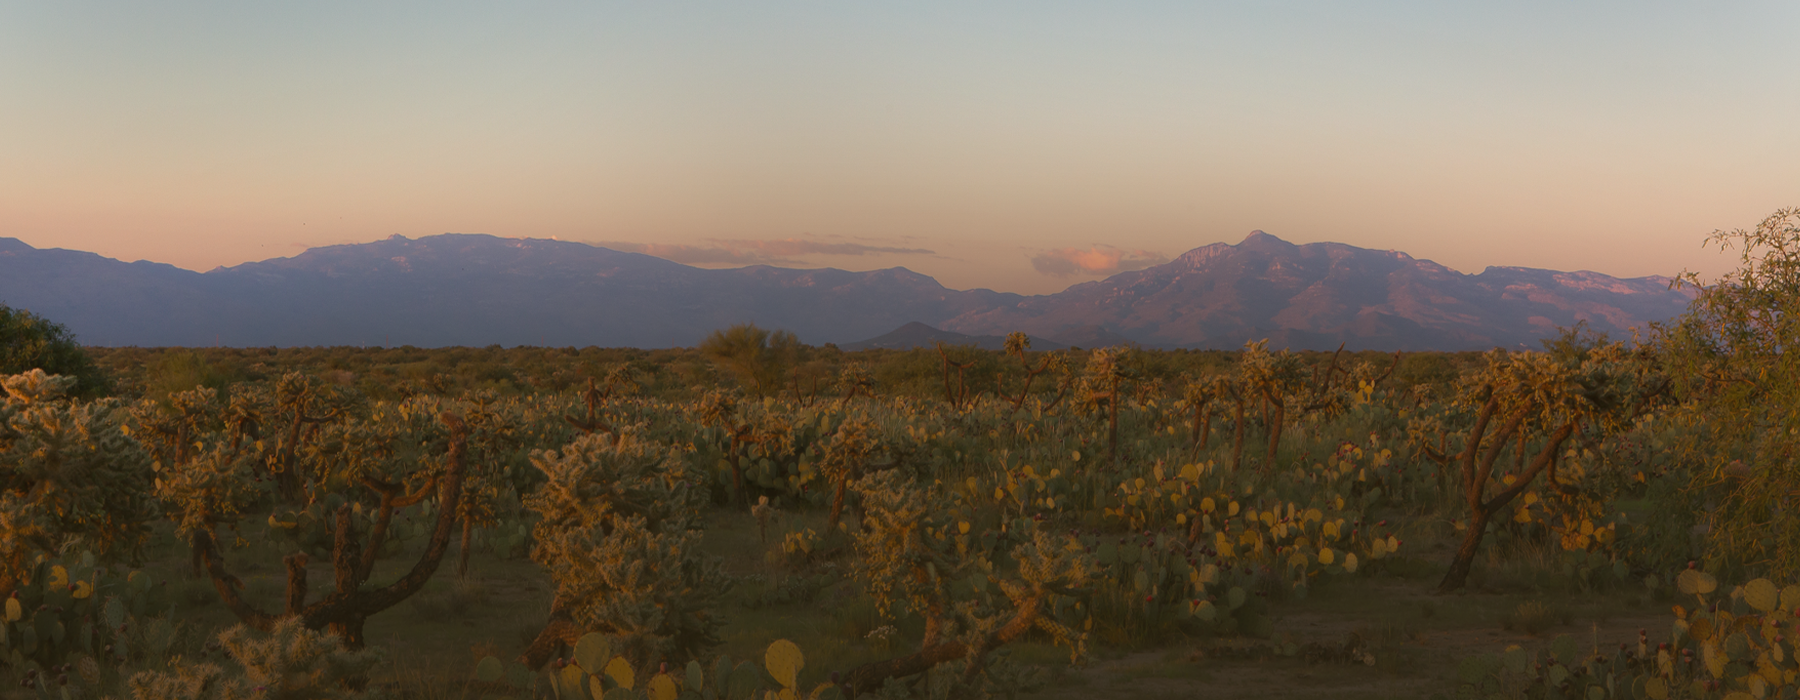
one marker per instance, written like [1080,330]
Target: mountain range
[474,290]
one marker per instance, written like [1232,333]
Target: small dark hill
[919,335]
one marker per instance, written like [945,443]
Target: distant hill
[1318,295]
[919,335]
[462,289]
[476,290]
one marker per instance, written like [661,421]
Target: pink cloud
[744,251]
[1097,260]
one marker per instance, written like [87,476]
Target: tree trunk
[558,631]
[1237,439]
[345,609]
[1112,423]
[737,472]
[462,554]
[287,476]
[870,677]
[1475,485]
[837,503]
[1277,415]
[1465,555]
[1202,419]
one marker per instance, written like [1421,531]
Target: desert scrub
[290,663]
[69,474]
[620,535]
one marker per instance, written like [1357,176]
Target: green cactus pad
[592,652]
[745,681]
[1695,582]
[1564,649]
[489,670]
[1762,595]
[114,613]
[619,694]
[695,678]
[721,677]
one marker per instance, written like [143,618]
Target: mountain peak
[1258,240]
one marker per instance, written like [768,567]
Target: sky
[1018,146]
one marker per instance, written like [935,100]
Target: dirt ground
[1381,636]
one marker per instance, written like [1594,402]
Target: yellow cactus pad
[784,661]
[620,671]
[662,687]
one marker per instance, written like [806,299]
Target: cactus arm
[349,606]
[228,585]
[449,494]
[870,676]
[346,553]
[1390,370]
[1322,382]
[560,630]
[1481,512]
[1473,449]
[1485,469]
[296,590]
[384,518]
[1022,621]
[416,496]
[1546,458]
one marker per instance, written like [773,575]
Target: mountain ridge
[477,289]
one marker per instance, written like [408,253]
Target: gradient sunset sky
[1021,146]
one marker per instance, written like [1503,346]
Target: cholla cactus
[1017,344]
[917,553]
[620,535]
[843,457]
[68,473]
[1107,373]
[1274,378]
[854,380]
[291,663]
[764,513]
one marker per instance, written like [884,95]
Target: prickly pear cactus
[76,615]
[1731,645]
[594,672]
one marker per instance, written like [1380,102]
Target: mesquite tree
[1733,356]
[758,357]
[29,341]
